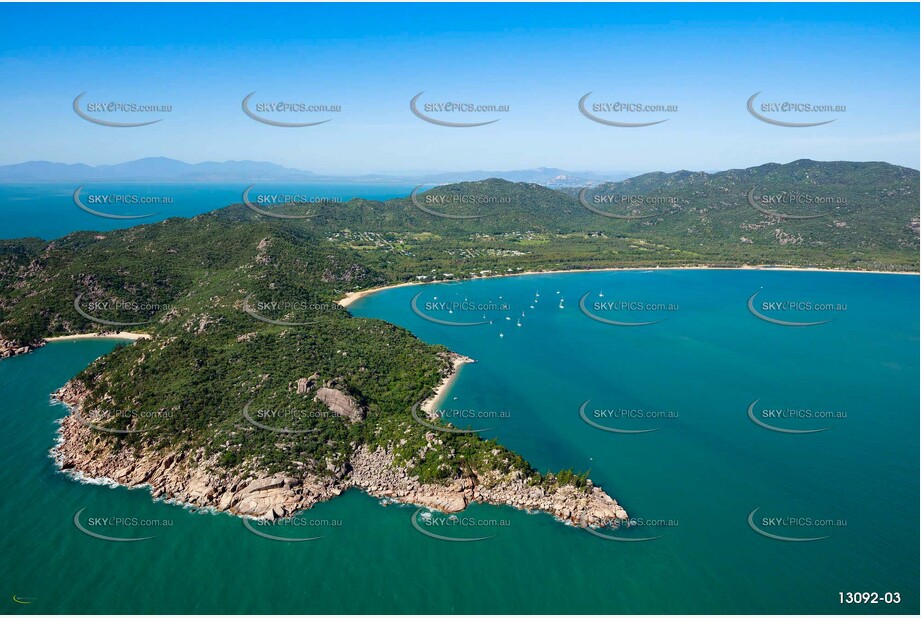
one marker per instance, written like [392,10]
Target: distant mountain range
[162,169]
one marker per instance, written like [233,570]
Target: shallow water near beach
[690,485]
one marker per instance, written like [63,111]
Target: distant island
[265,415]
[163,169]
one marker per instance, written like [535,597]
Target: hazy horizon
[411,172]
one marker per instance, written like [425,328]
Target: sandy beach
[351,297]
[119,335]
[430,404]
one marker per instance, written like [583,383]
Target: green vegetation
[188,283]
[187,386]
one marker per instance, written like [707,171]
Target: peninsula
[250,388]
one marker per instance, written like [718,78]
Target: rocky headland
[11,348]
[189,477]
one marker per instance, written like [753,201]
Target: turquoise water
[697,478]
[48,210]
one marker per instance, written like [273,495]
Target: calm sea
[710,489]
[50,211]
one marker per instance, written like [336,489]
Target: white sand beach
[351,297]
[117,335]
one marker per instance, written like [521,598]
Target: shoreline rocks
[190,478]
[9,348]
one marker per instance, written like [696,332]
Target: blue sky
[538,59]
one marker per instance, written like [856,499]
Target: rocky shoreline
[189,478]
[9,349]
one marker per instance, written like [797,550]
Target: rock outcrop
[340,403]
[11,348]
[375,473]
[303,385]
[189,477]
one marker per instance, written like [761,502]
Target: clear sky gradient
[537,58]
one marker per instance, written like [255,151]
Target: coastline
[352,297]
[9,349]
[188,479]
[117,335]
[191,478]
[457,361]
